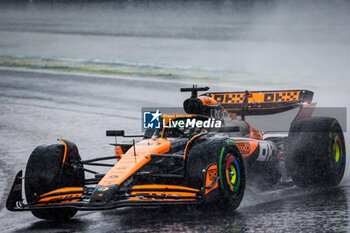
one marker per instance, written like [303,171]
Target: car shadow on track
[71,225]
[175,219]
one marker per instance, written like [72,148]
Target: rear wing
[262,102]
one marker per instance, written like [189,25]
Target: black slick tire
[316,153]
[45,172]
[230,168]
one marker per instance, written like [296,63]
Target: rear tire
[316,153]
[46,172]
[226,155]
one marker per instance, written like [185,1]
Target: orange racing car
[190,160]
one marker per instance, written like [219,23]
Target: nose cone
[102,195]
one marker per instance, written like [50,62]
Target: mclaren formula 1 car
[188,160]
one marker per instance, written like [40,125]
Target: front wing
[138,195]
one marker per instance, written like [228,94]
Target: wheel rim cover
[232,173]
[337,151]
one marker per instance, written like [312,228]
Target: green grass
[231,78]
[98,68]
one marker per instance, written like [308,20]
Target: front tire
[45,172]
[230,169]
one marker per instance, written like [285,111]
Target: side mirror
[115,133]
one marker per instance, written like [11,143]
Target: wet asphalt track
[37,108]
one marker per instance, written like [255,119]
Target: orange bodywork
[257,97]
[196,136]
[135,158]
[168,194]
[118,150]
[254,133]
[207,100]
[50,196]
[212,173]
[65,150]
[247,147]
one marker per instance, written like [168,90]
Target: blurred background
[270,43]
